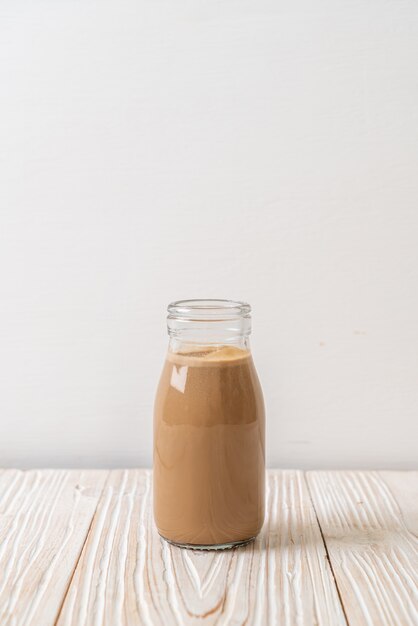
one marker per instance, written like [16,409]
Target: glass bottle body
[209,461]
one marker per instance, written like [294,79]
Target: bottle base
[216,546]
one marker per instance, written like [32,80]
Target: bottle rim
[208,309]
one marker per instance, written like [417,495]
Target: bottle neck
[184,344]
[208,323]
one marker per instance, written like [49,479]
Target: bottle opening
[210,309]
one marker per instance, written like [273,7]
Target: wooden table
[80,547]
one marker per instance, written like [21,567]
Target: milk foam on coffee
[209,447]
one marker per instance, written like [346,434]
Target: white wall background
[254,149]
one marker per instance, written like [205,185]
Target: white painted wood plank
[44,520]
[127,575]
[370,524]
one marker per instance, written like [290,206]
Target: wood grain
[44,520]
[127,575]
[370,524]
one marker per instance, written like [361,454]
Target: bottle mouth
[208,310]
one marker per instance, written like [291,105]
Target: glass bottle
[209,460]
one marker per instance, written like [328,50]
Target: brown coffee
[209,447]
